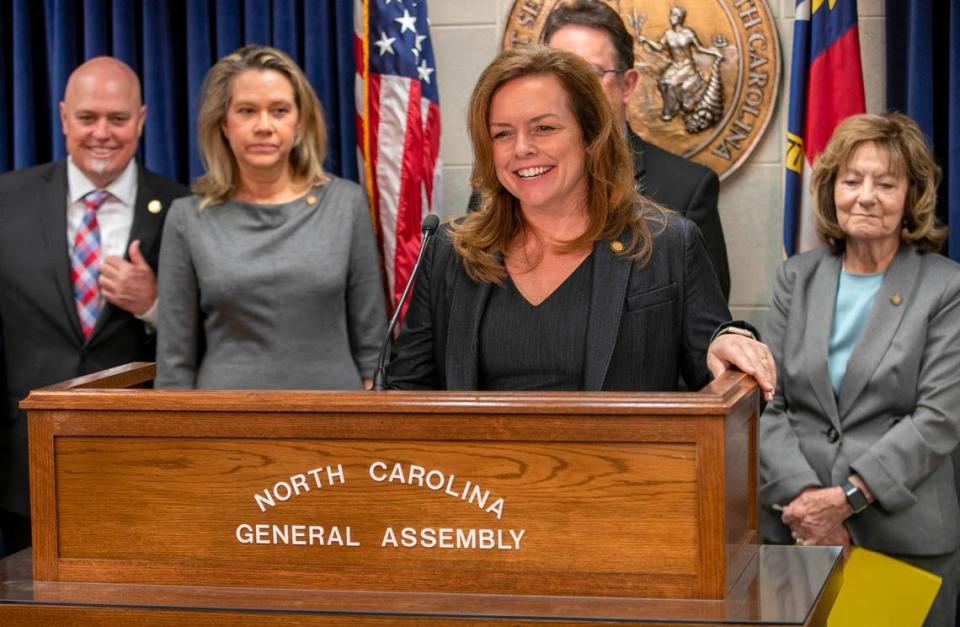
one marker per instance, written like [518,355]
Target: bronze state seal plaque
[709,72]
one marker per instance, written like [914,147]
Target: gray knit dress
[284,296]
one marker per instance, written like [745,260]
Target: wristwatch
[855,497]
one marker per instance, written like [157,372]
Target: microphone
[428,227]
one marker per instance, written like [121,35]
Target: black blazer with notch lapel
[897,417]
[687,187]
[40,338]
[647,324]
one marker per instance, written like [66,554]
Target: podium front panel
[615,495]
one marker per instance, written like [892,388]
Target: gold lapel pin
[154,206]
[311,199]
[896,299]
[616,246]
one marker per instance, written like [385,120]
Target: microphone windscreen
[430,223]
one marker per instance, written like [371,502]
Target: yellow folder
[879,591]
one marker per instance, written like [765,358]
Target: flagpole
[365,117]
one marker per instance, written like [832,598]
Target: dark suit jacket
[647,324]
[687,187]
[40,338]
[897,417]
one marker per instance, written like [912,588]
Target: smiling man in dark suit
[594,31]
[79,242]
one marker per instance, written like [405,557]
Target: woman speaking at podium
[269,275]
[566,278]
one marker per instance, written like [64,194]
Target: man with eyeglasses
[595,32]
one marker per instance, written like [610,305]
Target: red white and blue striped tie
[85,263]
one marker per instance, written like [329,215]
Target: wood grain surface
[605,494]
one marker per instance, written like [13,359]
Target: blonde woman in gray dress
[268,275]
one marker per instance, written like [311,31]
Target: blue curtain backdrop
[923,81]
[171,44]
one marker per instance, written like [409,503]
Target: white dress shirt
[115,215]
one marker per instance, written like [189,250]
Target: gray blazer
[897,417]
[275,296]
[646,326]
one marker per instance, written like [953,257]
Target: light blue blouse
[855,296]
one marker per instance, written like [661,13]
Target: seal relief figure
[684,89]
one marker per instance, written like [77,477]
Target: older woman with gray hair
[269,275]
[855,448]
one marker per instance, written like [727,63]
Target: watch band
[738,331]
[740,327]
[855,496]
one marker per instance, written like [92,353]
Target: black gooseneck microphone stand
[427,228]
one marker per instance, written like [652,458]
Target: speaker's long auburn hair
[613,203]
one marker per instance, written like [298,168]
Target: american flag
[398,127]
[826,87]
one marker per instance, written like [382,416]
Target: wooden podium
[576,506]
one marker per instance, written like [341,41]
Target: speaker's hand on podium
[752,357]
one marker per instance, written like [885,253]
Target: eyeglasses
[601,72]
